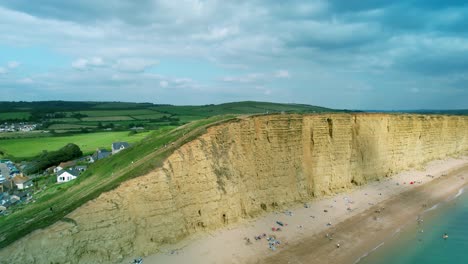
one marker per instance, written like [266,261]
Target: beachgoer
[337,245]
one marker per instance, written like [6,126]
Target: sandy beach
[358,221]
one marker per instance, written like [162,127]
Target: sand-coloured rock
[236,171]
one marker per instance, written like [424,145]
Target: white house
[67,175]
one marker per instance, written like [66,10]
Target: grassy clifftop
[54,203]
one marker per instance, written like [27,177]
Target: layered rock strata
[236,171]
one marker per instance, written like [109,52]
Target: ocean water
[411,246]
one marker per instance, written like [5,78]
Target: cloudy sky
[355,54]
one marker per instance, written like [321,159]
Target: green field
[118,112]
[71,117]
[69,126]
[14,115]
[107,118]
[88,143]
[100,177]
[147,117]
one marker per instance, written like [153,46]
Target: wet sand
[358,220]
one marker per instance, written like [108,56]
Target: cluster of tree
[48,159]
[68,106]
[78,115]
[104,126]
[165,119]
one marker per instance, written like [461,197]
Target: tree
[47,159]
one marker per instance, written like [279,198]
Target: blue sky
[355,54]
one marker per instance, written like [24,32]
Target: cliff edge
[237,170]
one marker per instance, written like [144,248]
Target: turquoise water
[410,246]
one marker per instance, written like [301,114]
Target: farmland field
[118,112]
[15,115]
[146,117]
[70,117]
[107,118]
[69,126]
[88,143]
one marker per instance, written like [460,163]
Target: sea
[423,242]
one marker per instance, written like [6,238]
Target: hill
[66,117]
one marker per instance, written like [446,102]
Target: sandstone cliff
[236,171]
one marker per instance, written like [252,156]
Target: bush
[47,159]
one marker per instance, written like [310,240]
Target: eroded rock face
[239,170]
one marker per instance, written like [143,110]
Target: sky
[353,54]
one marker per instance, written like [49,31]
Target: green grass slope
[102,176]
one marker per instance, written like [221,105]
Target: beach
[359,221]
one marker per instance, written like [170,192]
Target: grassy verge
[102,176]
[25,148]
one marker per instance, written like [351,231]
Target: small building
[8,185]
[64,165]
[22,182]
[99,155]
[67,175]
[14,199]
[119,146]
[82,160]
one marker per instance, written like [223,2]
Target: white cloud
[134,64]
[217,33]
[83,64]
[282,74]
[314,41]
[25,81]
[248,78]
[163,84]
[13,64]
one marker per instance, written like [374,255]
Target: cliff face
[238,170]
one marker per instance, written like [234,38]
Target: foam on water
[413,247]
[460,192]
[367,253]
[432,208]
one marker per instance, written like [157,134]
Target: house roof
[73,172]
[101,154]
[120,145]
[67,164]
[20,179]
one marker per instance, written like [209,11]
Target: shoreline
[413,226]
[359,235]
[307,227]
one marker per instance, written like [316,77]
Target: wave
[432,208]
[396,232]
[367,253]
[460,192]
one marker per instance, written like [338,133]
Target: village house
[67,175]
[22,182]
[99,155]
[119,146]
[64,165]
